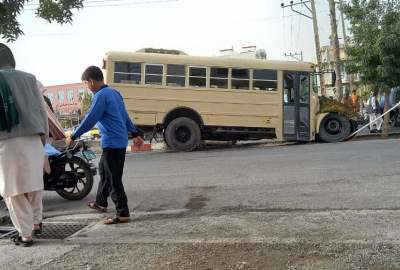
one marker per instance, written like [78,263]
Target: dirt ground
[238,256]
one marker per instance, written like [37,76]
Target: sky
[58,54]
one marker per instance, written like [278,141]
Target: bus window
[197,76]
[304,89]
[288,89]
[265,79]
[314,81]
[240,78]
[219,78]
[129,73]
[176,75]
[154,74]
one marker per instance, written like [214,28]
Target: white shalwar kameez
[21,181]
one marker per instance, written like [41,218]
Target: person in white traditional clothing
[374,112]
[23,130]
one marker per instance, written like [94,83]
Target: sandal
[17,240]
[39,230]
[95,206]
[116,220]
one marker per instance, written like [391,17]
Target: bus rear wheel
[334,128]
[183,134]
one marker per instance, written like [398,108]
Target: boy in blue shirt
[108,112]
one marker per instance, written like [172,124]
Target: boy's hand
[68,141]
[138,141]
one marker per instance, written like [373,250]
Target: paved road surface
[350,175]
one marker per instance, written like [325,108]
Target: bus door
[296,106]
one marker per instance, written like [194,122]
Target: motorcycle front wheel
[85,180]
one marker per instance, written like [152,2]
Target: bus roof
[156,58]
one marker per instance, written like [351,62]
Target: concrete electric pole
[350,76]
[313,17]
[336,49]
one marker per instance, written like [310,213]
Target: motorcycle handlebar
[76,144]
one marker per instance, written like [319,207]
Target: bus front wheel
[183,134]
[334,128]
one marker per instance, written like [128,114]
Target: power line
[299,24]
[113,5]
[284,28]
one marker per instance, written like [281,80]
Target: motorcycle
[72,172]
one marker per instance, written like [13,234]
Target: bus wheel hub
[182,134]
[333,127]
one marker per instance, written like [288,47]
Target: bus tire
[183,134]
[334,128]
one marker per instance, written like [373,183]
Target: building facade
[65,98]
[328,64]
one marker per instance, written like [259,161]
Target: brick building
[65,98]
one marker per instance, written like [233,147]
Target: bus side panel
[318,120]
[216,107]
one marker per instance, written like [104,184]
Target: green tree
[86,99]
[374,44]
[51,10]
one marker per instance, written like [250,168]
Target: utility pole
[313,17]
[336,49]
[351,78]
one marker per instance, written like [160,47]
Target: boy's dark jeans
[111,167]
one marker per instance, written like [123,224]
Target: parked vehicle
[72,172]
[95,133]
[189,99]
[92,134]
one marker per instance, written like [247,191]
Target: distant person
[108,110]
[347,101]
[374,111]
[23,130]
[355,101]
[382,104]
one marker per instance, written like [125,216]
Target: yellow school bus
[189,99]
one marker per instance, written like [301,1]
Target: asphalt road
[358,175]
[310,206]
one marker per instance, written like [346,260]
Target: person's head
[93,77]
[375,93]
[354,92]
[6,57]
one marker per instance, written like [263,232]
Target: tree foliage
[374,45]
[86,100]
[59,11]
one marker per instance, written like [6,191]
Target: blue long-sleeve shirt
[108,111]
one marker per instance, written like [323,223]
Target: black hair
[92,73]
[6,57]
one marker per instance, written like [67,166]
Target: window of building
[240,78]
[70,96]
[175,75]
[219,78]
[129,73]
[197,76]
[61,96]
[265,79]
[154,74]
